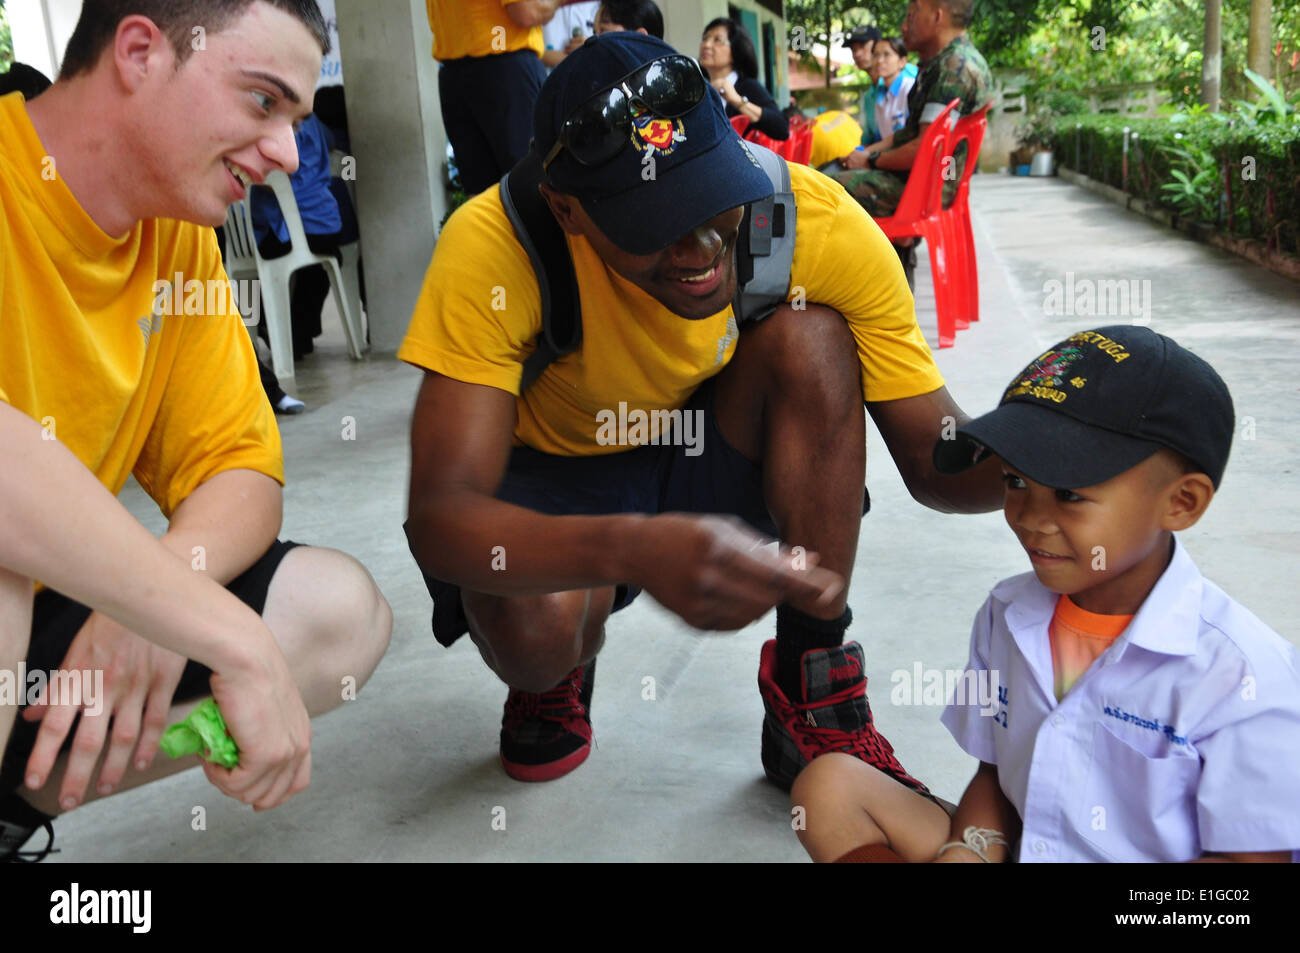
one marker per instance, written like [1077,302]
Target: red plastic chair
[919,216]
[956,219]
[797,148]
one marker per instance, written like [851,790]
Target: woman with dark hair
[727,55]
[638,16]
[896,81]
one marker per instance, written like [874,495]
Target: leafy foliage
[6,42]
[1238,171]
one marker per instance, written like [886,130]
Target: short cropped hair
[176,19]
[636,15]
[959,11]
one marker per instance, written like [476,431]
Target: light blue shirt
[1182,737]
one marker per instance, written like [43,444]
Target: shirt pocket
[1139,806]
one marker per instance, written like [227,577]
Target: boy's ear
[1187,500]
[564,207]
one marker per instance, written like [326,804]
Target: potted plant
[1034,154]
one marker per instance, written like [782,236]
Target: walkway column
[395,123]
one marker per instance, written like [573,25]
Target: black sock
[796,633]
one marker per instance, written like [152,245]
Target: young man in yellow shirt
[124,354]
[537,511]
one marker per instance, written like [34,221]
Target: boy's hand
[139,678]
[716,573]
[264,713]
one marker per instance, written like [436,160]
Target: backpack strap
[543,240]
[765,248]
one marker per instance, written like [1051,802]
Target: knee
[531,643]
[811,351]
[353,620]
[826,780]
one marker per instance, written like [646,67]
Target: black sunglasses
[669,87]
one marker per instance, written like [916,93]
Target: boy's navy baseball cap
[701,167]
[1098,404]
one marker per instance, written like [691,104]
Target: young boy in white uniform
[1141,714]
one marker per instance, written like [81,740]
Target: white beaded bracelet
[977,840]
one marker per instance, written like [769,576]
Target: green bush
[1240,173]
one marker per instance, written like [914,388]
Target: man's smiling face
[224,119]
[694,277]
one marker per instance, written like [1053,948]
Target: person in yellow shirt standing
[539,507]
[125,354]
[490,51]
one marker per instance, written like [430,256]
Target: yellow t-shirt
[835,134]
[174,398]
[478,28]
[479,314]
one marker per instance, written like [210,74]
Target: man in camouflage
[951,68]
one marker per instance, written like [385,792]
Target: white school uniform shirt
[891,104]
[1182,737]
[557,33]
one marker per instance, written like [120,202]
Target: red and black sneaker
[833,715]
[544,737]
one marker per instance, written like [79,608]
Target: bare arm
[530,13]
[1251,857]
[63,527]
[704,568]
[911,427]
[900,158]
[460,445]
[983,805]
[229,521]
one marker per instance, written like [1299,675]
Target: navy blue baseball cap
[700,167]
[1097,404]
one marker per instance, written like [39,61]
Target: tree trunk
[829,43]
[1212,55]
[1259,44]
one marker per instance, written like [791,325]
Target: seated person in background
[638,16]
[330,107]
[319,205]
[895,77]
[567,31]
[1122,707]
[727,55]
[24,79]
[861,41]
[951,68]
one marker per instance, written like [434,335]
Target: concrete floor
[409,770]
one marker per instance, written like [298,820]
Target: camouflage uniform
[957,72]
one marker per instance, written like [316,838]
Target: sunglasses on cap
[597,131]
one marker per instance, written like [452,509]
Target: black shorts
[717,478]
[487,111]
[56,620]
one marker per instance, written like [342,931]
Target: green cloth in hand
[202,733]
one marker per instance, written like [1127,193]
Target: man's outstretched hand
[717,573]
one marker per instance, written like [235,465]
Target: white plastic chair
[243,260]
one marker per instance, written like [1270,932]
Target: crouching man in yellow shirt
[539,508]
[110,182]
